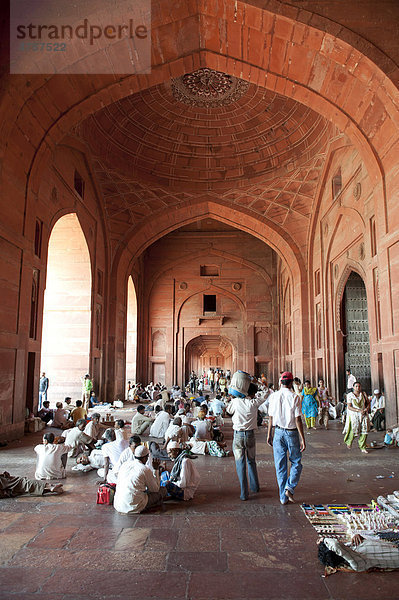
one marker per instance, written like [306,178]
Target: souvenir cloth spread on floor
[340,522]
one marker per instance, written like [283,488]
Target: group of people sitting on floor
[145,473]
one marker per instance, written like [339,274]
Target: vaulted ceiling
[207,135]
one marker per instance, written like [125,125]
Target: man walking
[288,437]
[43,387]
[244,412]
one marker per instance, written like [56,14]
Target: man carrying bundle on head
[244,410]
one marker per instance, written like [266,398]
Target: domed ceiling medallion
[208,88]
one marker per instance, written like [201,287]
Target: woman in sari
[310,404]
[357,421]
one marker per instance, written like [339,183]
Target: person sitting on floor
[79,412]
[138,486]
[127,454]
[61,417]
[175,432]
[111,450]
[218,406]
[78,440]
[121,431]
[51,458]
[93,400]
[184,478]
[68,404]
[46,413]
[202,427]
[94,428]
[157,452]
[161,423]
[11,486]
[378,410]
[140,422]
[366,551]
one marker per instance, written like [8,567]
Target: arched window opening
[131,332]
[67,311]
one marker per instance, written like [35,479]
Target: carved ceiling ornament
[208,88]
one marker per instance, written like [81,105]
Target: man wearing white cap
[378,410]
[184,477]
[138,484]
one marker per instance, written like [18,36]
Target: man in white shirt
[351,380]
[140,422]
[51,458]
[127,454]
[202,427]
[288,437]
[94,429]
[184,477]
[245,412]
[111,451]
[77,439]
[161,423]
[378,410]
[138,484]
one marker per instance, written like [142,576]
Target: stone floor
[214,547]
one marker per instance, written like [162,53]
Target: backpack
[106,493]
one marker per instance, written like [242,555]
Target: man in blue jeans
[244,412]
[288,438]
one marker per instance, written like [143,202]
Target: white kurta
[49,465]
[174,432]
[134,479]
[202,430]
[189,478]
[160,425]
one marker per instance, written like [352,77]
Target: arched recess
[131,331]
[212,327]
[65,355]
[336,267]
[352,320]
[204,351]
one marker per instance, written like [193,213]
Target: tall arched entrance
[355,328]
[205,351]
[131,331]
[67,310]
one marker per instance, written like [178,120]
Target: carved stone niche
[357,191]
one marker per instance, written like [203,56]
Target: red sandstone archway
[205,351]
[67,310]
[131,331]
